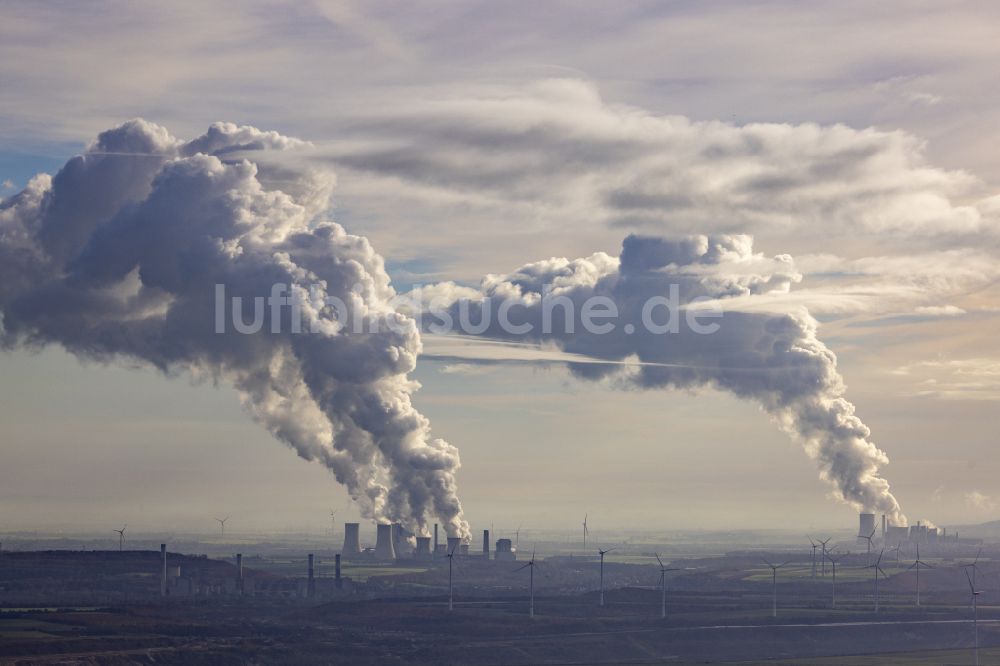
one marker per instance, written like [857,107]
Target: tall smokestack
[383,543]
[486,544]
[163,575]
[239,572]
[883,526]
[311,589]
[337,580]
[453,544]
[352,542]
[435,538]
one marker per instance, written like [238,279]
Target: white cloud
[954,379]
[980,501]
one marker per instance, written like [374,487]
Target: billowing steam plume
[118,257]
[772,358]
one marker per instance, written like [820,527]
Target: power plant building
[505,551]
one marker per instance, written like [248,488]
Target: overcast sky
[473,138]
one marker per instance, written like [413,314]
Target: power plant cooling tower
[866,525]
[423,550]
[453,544]
[352,543]
[383,543]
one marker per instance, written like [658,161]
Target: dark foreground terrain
[486,633]
[100,607]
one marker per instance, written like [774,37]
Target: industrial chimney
[311,589]
[352,543]
[435,538]
[883,526]
[383,543]
[337,581]
[239,573]
[486,544]
[163,577]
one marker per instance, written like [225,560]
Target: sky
[474,138]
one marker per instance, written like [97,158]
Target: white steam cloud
[774,359]
[117,256]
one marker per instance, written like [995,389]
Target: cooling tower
[453,544]
[401,540]
[352,544]
[423,550]
[866,525]
[383,543]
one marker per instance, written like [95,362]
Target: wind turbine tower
[602,554]
[878,570]
[530,566]
[774,586]
[451,593]
[916,565]
[975,616]
[833,562]
[663,585]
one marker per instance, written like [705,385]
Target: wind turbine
[974,566]
[878,570]
[833,562]
[222,525]
[530,566]
[663,585]
[774,586]
[823,559]
[975,615]
[585,531]
[451,596]
[517,536]
[121,538]
[815,545]
[603,553]
[869,540]
[916,565]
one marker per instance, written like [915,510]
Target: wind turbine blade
[969,578]
[976,561]
[522,567]
[658,559]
